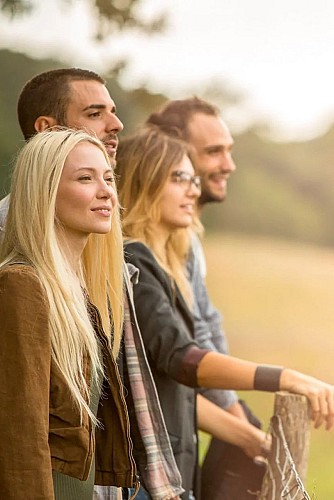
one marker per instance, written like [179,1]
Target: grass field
[278,304]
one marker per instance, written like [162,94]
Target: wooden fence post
[292,420]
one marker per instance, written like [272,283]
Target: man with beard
[228,471]
[79,99]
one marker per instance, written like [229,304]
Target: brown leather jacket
[40,428]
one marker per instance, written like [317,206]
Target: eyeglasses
[186,179]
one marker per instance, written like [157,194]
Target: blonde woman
[158,190]
[62,405]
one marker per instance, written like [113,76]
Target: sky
[276,54]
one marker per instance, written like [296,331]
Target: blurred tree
[111,15]
[16,70]
[15,7]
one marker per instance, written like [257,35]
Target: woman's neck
[161,236]
[72,249]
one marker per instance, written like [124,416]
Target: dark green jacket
[166,326]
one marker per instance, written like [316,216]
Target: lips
[189,207]
[105,211]
[111,146]
[218,177]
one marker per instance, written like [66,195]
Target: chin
[101,230]
[186,224]
[211,198]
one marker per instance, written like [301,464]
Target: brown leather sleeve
[25,356]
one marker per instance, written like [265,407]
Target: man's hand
[258,444]
[234,430]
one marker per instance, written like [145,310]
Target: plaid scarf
[161,475]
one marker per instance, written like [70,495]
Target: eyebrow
[218,147]
[99,106]
[91,169]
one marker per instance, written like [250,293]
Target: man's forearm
[226,427]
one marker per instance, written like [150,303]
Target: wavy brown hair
[144,162]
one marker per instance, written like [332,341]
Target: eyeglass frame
[181,177]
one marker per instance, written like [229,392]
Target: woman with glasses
[158,190]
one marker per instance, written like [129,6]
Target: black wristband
[267,378]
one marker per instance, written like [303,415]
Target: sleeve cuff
[187,373]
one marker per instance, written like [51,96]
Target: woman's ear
[44,122]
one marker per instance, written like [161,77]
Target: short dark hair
[48,94]
[173,118]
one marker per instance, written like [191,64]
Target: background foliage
[110,16]
[279,189]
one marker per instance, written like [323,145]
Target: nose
[228,163]
[193,191]
[114,124]
[107,192]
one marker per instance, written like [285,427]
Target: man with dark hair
[79,99]
[71,97]
[227,472]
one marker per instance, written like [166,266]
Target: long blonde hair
[144,162]
[30,233]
